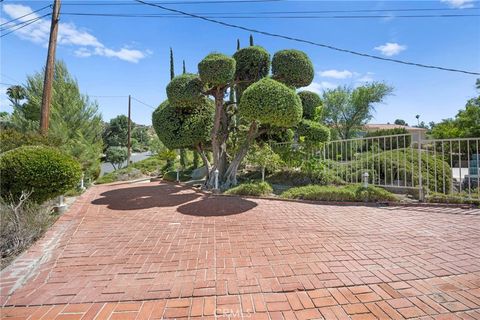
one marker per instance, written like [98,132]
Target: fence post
[420,184]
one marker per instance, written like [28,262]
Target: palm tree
[16,94]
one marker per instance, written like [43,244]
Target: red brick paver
[153,251]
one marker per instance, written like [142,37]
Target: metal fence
[442,166]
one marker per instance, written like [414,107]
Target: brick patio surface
[158,251]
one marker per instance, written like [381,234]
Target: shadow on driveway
[145,197]
[216,206]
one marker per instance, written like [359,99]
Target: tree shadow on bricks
[216,206]
[144,197]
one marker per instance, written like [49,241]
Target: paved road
[107,167]
[153,251]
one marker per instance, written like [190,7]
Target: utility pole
[129,135]
[49,69]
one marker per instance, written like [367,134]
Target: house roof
[383,126]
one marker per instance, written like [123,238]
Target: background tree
[74,119]
[184,68]
[238,44]
[116,132]
[172,65]
[347,110]
[263,157]
[116,156]
[400,122]
[251,40]
[16,94]
[466,123]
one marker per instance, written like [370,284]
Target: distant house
[417,133]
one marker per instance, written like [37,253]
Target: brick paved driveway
[151,250]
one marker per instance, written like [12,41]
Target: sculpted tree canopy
[247,106]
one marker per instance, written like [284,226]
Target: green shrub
[313,131]
[457,198]
[292,67]
[251,189]
[43,170]
[185,90]
[345,193]
[252,63]
[11,139]
[271,102]
[150,166]
[116,156]
[387,143]
[216,69]
[179,129]
[311,102]
[125,174]
[291,177]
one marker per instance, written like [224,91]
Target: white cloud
[367,77]
[460,4]
[391,49]
[336,74]
[319,87]
[68,34]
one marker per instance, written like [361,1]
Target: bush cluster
[292,67]
[251,189]
[345,193]
[185,90]
[216,69]
[252,64]
[387,143]
[313,131]
[11,139]
[269,101]
[43,170]
[178,128]
[311,103]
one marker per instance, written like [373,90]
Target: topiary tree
[258,107]
[292,67]
[313,132]
[311,104]
[116,156]
[44,171]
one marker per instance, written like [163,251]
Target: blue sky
[121,56]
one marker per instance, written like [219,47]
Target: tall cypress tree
[172,67]
[251,40]
[184,69]
[238,44]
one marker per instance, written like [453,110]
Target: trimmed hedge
[45,171]
[292,67]
[313,131]
[310,102]
[179,128]
[271,102]
[252,64]
[251,189]
[216,69]
[345,193]
[185,90]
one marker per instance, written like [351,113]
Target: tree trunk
[204,157]
[230,178]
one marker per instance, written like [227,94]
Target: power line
[175,2]
[16,25]
[167,16]
[24,25]
[270,34]
[25,15]
[145,104]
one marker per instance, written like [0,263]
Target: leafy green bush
[271,102]
[313,131]
[311,102]
[216,69]
[43,170]
[251,189]
[252,64]
[292,67]
[125,174]
[345,193]
[291,177]
[11,139]
[387,143]
[457,198]
[178,129]
[184,90]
